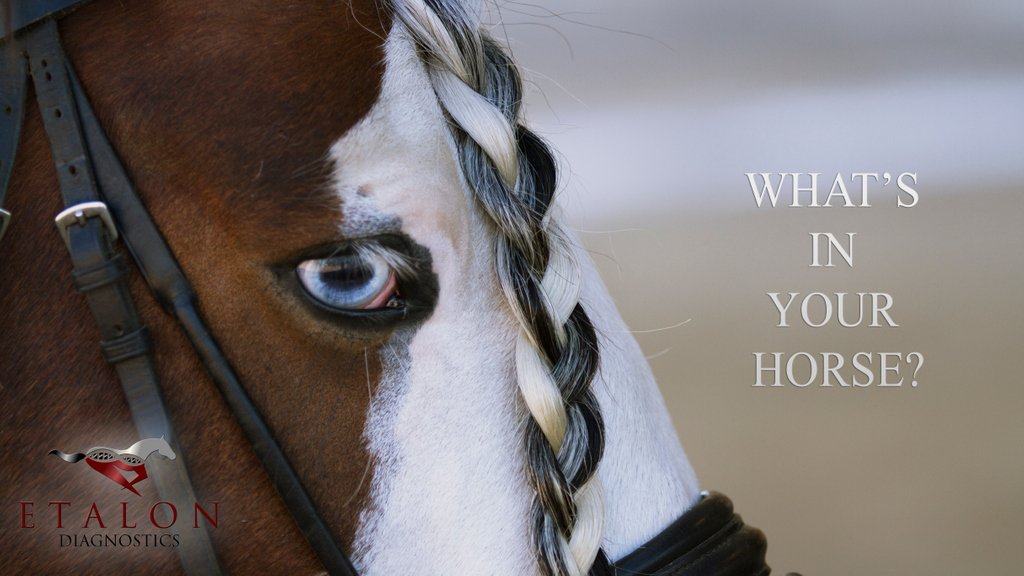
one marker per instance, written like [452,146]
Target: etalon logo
[114,463]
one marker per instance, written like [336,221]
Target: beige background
[659,107]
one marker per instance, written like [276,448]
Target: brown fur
[223,113]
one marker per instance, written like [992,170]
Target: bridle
[102,206]
[97,193]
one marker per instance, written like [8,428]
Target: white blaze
[445,428]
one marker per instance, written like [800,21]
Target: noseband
[102,206]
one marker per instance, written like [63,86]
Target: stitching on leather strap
[126,347]
[107,273]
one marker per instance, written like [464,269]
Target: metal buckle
[79,213]
[5,219]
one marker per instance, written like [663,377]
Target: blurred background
[659,107]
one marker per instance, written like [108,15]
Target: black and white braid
[513,176]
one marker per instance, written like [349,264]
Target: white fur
[449,492]
[648,482]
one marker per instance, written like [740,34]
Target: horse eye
[349,282]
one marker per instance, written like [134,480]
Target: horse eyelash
[403,264]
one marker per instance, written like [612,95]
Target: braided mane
[513,177]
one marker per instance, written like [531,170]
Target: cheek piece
[102,206]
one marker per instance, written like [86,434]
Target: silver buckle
[5,219]
[79,213]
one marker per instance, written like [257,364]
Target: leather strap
[708,540]
[101,276]
[173,290]
[99,272]
[13,81]
[16,15]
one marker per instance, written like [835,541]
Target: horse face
[265,136]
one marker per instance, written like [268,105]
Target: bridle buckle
[5,219]
[79,213]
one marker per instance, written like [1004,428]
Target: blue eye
[350,282]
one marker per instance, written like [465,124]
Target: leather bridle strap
[173,290]
[708,540]
[100,274]
[13,80]
[91,154]
[15,16]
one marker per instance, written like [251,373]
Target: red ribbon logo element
[113,469]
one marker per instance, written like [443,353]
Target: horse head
[369,226]
[164,449]
[145,447]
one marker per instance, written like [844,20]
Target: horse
[369,229]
